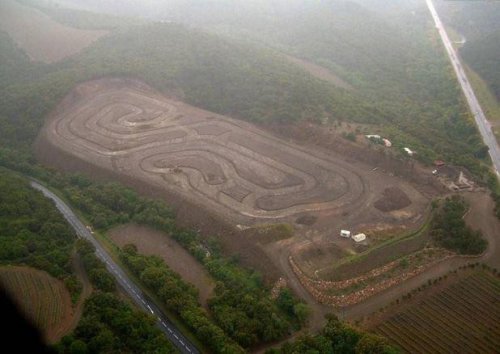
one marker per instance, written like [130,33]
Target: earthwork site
[247,181]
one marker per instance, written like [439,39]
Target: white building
[359,237]
[387,143]
[409,152]
[345,233]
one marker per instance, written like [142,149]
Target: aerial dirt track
[223,164]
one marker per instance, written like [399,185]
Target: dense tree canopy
[449,230]
[337,338]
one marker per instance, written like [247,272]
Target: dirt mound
[393,199]
[306,219]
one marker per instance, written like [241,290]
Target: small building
[359,237]
[373,136]
[345,233]
[439,163]
[409,152]
[387,142]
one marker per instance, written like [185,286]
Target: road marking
[175,335]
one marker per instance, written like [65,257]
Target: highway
[481,121]
[144,302]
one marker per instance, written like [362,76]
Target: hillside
[202,69]
[42,298]
[42,38]
[478,22]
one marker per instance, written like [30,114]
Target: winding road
[482,123]
[141,299]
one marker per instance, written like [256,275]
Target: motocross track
[228,166]
[218,173]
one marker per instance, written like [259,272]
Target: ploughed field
[463,318]
[42,298]
[225,164]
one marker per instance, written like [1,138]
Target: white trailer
[345,233]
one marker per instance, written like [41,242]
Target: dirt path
[81,274]
[479,217]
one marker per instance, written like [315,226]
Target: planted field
[463,318]
[43,299]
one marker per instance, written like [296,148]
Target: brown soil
[393,199]
[459,314]
[39,36]
[126,131]
[153,242]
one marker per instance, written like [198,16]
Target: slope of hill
[39,36]
[478,22]
[42,298]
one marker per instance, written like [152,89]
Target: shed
[387,142]
[359,237]
[345,233]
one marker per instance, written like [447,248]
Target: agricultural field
[461,318]
[152,242]
[39,36]
[41,297]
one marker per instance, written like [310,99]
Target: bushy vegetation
[32,231]
[178,297]
[482,55]
[96,269]
[478,22]
[449,230]
[337,337]
[109,324]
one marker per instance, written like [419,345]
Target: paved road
[481,121]
[121,277]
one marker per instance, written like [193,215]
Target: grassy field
[41,297]
[462,318]
[39,36]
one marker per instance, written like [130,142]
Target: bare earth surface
[39,36]
[153,242]
[223,174]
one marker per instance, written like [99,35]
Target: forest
[110,324]
[35,234]
[337,338]
[255,320]
[478,23]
